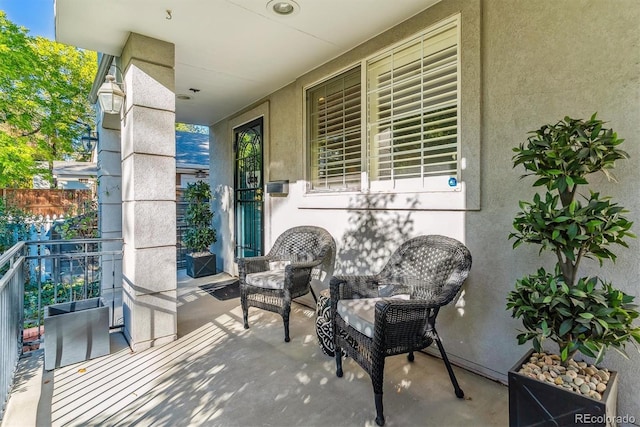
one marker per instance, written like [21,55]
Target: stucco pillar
[149,193]
[110,212]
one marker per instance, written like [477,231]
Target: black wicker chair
[395,311]
[299,256]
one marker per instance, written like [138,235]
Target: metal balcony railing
[35,274]
[11,315]
[72,270]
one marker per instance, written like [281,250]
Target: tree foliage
[186,127]
[44,106]
[13,226]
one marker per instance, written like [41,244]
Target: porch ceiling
[234,51]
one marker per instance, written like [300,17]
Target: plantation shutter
[412,96]
[334,133]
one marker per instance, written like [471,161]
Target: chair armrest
[352,287]
[398,310]
[297,275]
[252,265]
[404,324]
[303,265]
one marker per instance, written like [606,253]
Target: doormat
[223,292]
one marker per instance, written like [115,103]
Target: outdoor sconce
[89,140]
[110,96]
[280,188]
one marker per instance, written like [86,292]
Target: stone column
[149,193]
[110,212]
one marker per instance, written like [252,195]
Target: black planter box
[200,265]
[538,403]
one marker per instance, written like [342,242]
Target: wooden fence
[46,201]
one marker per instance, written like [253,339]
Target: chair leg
[379,409]
[377,379]
[285,319]
[454,381]
[338,356]
[286,311]
[245,312]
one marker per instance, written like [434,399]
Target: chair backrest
[303,243]
[438,264]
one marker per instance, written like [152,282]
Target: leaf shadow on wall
[374,233]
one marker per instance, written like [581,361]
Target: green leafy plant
[54,293]
[199,234]
[13,226]
[580,314]
[83,225]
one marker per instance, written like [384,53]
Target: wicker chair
[395,311]
[298,257]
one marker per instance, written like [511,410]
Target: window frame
[308,146]
[465,195]
[424,183]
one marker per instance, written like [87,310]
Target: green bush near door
[199,235]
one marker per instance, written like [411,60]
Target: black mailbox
[278,187]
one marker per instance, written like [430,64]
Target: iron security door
[248,195]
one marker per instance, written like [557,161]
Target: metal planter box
[200,265]
[537,403]
[75,332]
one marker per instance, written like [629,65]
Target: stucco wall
[540,61]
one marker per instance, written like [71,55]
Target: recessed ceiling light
[283,7]
[183,96]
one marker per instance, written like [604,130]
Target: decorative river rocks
[579,377]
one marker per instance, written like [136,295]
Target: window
[412,96]
[333,132]
[411,119]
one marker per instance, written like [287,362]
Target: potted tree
[580,314]
[199,235]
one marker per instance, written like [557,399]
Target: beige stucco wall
[540,61]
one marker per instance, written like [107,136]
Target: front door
[248,189]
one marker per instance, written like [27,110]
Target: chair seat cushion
[360,313]
[270,279]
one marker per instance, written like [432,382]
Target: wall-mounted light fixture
[110,96]
[201,174]
[89,140]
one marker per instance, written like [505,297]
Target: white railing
[11,317]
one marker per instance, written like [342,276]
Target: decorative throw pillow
[278,265]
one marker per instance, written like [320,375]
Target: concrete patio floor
[219,374]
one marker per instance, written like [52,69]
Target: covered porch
[217,373]
[520,65]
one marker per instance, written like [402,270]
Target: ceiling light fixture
[183,97]
[283,7]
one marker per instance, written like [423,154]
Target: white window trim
[438,183]
[445,197]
